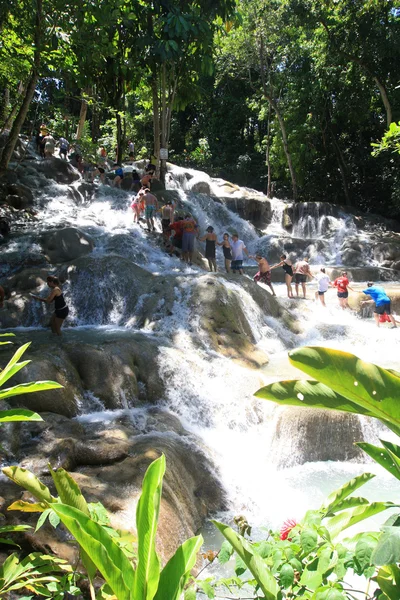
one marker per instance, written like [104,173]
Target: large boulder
[63,245]
[308,435]
[57,169]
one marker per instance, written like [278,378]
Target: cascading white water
[212,395]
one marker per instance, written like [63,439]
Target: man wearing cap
[381,300]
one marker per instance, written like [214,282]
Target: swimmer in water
[61,309]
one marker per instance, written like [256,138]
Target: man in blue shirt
[382,302]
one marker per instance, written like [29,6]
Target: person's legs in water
[210,264]
[303,285]
[288,280]
[58,324]
[53,324]
[322,298]
[214,262]
[227,265]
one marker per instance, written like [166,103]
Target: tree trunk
[30,90]
[5,101]
[385,101]
[156,116]
[9,120]
[267,153]
[82,117]
[119,138]
[163,161]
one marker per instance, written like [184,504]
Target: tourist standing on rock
[264,273]
[342,285]
[136,206]
[176,238]
[226,249]
[151,207]
[237,248]
[63,145]
[148,175]
[381,300]
[190,229]
[61,309]
[287,266]
[301,272]
[324,282]
[211,239]
[49,145]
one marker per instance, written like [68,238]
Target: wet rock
[57,169]
[201,187]
[307,435]
[63,245]
[256,210]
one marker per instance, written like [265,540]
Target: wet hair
[258,256]
[210,229]
[283,256]
[322,269]
[53,279]
[370,283]
[188,216]
[226,234]
[235,234]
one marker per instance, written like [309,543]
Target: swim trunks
[343,294]
[236,265]
[187,242]
[263,277]
[150,211]
[383,308]
[300,278]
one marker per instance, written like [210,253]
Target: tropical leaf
[253,561]
[382,456]
[176,572]
[147,573]
[29,388]
[370,387]
[13,366]
[109,559]
[346,519]
[18,414]
[337,497]
[30,482]
[27,506]
[387,551]
[312,394]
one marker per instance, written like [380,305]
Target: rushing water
[211,394]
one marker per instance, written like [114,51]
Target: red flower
[287,528]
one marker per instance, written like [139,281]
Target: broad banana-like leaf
[388,579]
[335,500]
[29,388]
[70,494]
[176,572]
[27,506]
[109,559]
[387,551]
[13,366]
[312,394]
[18,414]
[253,562]
[30,482]
[147,573]
[374,389]
[382,456]
[346,519]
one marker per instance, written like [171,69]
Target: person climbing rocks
[211,239]
[381,300]
[237,248]
[148,175]
[190,229]
[264,273]
[61,309]
[49,145]
[301,272]
[119,175]
[166,219]
[136,206]
[342,285]
[226,249]
[323,281]
[151,204]
[287,266]
[63,147]
[177,233]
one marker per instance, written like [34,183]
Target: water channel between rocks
[203,343]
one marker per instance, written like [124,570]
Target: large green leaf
[101,548]
[387,551]
[176,572]
[13,366]
[312,394]
[29,388]
[382,456]
[30,482]
[372,388]
[253,561]
[336,498]
[18,414]
[147,573]
[346,519]
[388,579]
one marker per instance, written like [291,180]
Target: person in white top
[237,249]
[324,283]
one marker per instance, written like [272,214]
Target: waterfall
[127,285]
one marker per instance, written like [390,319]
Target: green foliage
[102,548]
